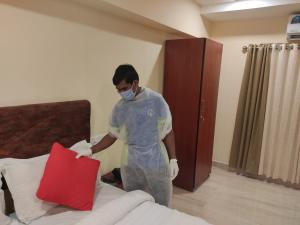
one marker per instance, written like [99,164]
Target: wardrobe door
[208,108]
[182,82]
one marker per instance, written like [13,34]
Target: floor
[229,199]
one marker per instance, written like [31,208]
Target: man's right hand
[83,148]
[104,143]
[84,152]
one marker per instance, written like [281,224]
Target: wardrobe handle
[202,106]
[201,118]
[202,109]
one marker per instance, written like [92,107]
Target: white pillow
[2,202]
[4,220]
[23,178]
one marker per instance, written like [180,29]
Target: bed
[27,133]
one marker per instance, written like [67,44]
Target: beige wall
[57,51]
[234,35]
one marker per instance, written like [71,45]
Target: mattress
[65,216]
[113,206]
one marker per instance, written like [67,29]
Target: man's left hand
[174,169]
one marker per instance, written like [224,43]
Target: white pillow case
[4,220]
[23,178]
[2,202]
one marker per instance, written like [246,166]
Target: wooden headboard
[30,130]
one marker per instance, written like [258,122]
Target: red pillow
[69,181]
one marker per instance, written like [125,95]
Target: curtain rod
[278,46]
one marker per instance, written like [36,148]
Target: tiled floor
[229,199]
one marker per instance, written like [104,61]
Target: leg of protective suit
[160,186]
[133,178]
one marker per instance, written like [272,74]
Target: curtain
[280,151]
[249,125]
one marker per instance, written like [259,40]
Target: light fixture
[246,4]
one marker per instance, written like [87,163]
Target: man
[142,120]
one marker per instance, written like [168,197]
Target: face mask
[128,95]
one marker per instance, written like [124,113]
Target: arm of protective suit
[166,132]
[169,142]
[168,138]
[105,142]
[109,138]
[116,126]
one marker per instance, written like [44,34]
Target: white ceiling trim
[244,5]
[211,2]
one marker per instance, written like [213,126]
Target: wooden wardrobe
[191,80]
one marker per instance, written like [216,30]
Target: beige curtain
[248,132]
[280,153]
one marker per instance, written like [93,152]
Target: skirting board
[261,178]
[220,165]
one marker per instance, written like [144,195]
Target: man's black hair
[125,72]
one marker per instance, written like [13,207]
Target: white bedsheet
[104,194]
[138,208]
[113,206]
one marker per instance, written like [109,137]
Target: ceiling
[220,10]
